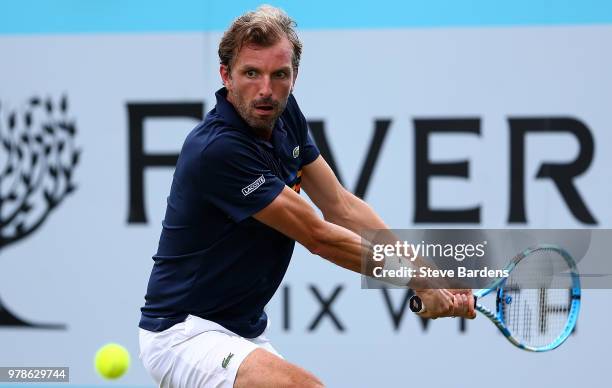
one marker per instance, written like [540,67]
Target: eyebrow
[248,67]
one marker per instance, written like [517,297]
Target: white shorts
[197,353]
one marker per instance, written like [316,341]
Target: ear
[225,74]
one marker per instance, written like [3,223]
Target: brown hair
[263,27]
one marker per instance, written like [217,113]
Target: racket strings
[535,303]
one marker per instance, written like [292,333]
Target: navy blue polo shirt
[214,260]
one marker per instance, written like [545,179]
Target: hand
[447,303]
[468,299]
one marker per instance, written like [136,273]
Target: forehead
[276,56]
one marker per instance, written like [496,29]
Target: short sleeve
[309,150]
[236,179]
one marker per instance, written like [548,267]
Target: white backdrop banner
[435,128]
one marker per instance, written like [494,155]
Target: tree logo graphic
[37,160]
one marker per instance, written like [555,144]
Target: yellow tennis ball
[112,360]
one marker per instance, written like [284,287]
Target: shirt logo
[253,186]
[226,360]
[296,152]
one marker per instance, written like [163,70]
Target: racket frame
[498,286]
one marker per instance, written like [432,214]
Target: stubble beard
[262,126]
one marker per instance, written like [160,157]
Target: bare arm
[342,208]
[291,215]
[336,237]
[338,205]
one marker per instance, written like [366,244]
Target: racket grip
[416,304]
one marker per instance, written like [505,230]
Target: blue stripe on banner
[112,16]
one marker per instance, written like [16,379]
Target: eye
[281,74]
[251,73]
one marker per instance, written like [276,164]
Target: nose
[266,87]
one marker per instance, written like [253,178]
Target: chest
[282,155]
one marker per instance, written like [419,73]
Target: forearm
[340,246]
[355,215]
[358,216]
[349,250]
[346,249]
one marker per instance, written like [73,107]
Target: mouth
[264,109]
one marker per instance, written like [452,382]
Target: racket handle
[417,306]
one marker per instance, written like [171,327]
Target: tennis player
[233,215]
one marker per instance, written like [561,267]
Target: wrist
[396,271]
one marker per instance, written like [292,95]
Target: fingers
[469,311]
[447,303]
[471,307]
[460,307]
[438,303]
[464,306]
[457,305]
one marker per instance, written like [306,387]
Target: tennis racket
[537,305]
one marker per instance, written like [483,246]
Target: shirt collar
[232,117]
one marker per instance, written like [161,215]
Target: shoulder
[293,107]
[227,145]
[214,137]
[294,117]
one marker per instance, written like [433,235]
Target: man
[233,216]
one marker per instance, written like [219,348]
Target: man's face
[260,82]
